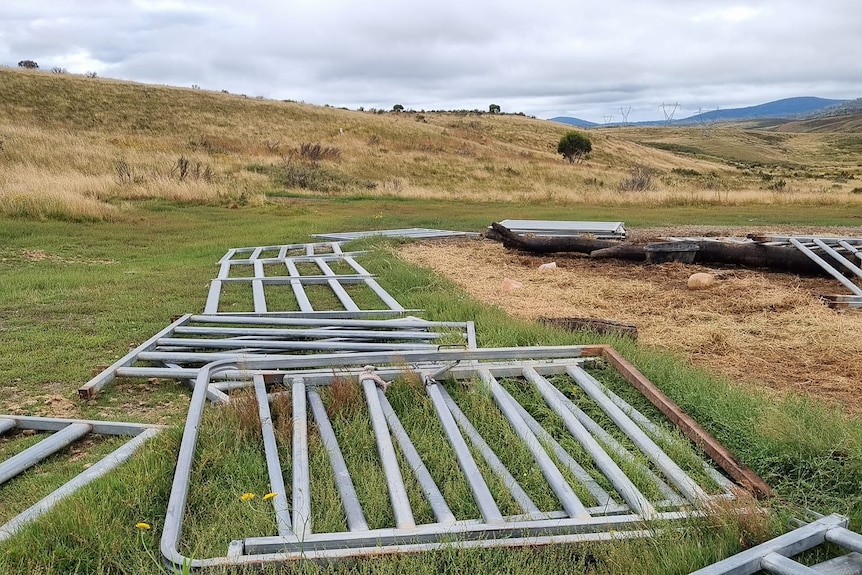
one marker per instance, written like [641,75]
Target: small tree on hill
[494,109]
[574,146]
[397,108]
[28,64]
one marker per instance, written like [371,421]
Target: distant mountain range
[785,109]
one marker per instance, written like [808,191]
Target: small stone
[701,281]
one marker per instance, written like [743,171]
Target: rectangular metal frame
[194,340]
[774,555]
[683,497]
[311,253]
[409,233]
[65,432]
[601,230]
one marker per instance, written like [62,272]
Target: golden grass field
[88,148]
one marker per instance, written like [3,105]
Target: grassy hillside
[88,148]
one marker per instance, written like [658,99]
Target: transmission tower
[625,114]
[607,119]
[669,110]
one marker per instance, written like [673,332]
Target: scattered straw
[764,328]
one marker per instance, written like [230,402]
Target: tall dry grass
[64,136]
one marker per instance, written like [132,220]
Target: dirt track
[756,327]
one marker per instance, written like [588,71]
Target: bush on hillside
[574,146]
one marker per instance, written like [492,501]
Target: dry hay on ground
[753,326]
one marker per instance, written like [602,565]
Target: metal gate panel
[319,254]
[684,489]
[194,340]
[64,433]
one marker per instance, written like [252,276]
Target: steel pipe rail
[690,490]
[627,490]
[36,453]
[563,490]
[346,491]
[273,464]
[301,477]
[426,482]
[394,481]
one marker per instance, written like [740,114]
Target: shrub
[28,64]
[90,74]
[640,179]
[315,152]
[574,146]
[58,70]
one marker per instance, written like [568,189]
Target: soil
[756,327]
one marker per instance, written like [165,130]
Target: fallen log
[547,245]
[750,255]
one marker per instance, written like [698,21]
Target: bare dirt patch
[755,327]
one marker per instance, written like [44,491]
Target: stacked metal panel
[407,233]
[601,230]
[302,352]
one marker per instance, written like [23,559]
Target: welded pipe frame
[595,523]
[414,326]
[138,435]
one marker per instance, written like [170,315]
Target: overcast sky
[541,57]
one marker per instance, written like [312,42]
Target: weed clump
[639,180]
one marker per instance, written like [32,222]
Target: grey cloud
[550,57]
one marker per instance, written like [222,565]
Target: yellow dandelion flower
[143,526]
[247,496]
[269,496]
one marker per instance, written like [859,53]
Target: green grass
[105,287]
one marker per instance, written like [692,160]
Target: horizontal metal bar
[409,323]
[92,387]
[298,259]
[36,453]
[345,279]
[56,424]
[309,333]
[849,564]
[6,423]
[463,530]
[334,314]
[307,345]
[845,538]
[315,376]
[781,565]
